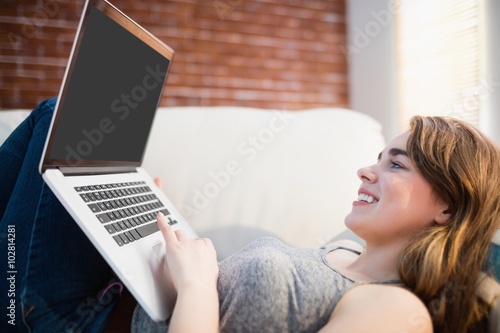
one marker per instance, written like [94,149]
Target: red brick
[259,53]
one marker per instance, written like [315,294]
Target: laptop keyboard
[127,210]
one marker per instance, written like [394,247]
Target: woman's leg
[54,277]
[141,322]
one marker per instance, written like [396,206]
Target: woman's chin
[349,221]
[353,222]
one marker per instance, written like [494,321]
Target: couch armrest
[9,120]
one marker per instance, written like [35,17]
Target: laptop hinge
[76,171]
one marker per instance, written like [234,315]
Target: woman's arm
[193,268]
[379,308]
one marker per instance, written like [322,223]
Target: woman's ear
[443,216]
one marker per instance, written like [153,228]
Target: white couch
[240,173]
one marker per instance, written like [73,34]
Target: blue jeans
[52,278]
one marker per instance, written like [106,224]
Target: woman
[427,210]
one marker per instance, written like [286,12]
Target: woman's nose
[367,174]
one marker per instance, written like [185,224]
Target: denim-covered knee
[44,108]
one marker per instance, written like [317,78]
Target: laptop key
[118,240]
[110,229]
[85,197]
[103,218]
[122,225]
[124,238]
[171,222]
[127,224]
[94,207]
[147,229]
[129,236]
[135,234]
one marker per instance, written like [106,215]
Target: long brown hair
[441,265]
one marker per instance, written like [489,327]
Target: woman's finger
[181,235]
[166,230]
[159,182]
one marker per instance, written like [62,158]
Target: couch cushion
[292,174]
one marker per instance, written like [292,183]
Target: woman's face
[394,200]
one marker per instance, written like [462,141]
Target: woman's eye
[396,165]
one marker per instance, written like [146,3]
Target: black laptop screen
[110,98]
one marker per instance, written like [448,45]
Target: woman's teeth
[366,198]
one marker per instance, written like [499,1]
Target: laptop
[96,142]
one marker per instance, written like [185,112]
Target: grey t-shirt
[269,286]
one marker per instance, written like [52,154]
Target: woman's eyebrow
[393,152]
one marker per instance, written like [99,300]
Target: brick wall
[281,54]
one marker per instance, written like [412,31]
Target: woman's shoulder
[379,308]
[387,294]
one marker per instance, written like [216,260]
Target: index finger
[159,182]
[166,230]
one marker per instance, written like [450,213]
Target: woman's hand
[193,268]
[187,258]
[192,262]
